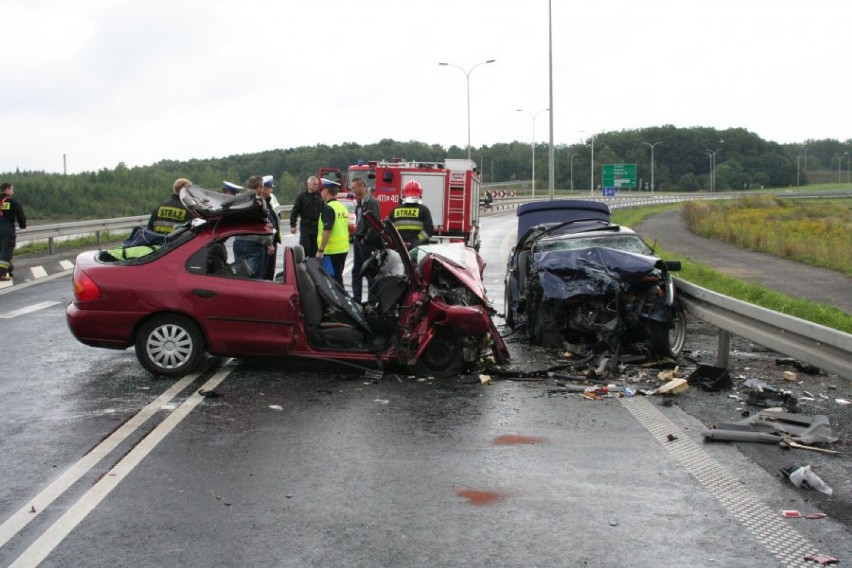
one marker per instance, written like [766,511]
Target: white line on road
[44,545]
[19,520]
[66,264]
[27,310]
[38,271]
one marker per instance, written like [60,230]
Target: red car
[350,202]
[193,294]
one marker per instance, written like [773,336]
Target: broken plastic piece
[821,559]
[815,516]
[675,386]
[804,475]
[789,514]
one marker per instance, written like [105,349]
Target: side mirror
[673,265]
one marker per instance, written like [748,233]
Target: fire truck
[450,191]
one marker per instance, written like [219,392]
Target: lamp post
[840,161]
[798,169]
[533,115]
[572,171]
[651,146]
[712,155]
[467,78]
[592,167]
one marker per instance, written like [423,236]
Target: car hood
[456,258]
[591,271]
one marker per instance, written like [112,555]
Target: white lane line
[27,310]
[19,520]
[44,545]
[38,271]
[66,264]
[780,539]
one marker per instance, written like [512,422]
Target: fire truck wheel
[443,357]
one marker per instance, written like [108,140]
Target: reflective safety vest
[338,240]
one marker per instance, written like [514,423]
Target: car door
[240,316]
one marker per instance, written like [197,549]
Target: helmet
[412,190]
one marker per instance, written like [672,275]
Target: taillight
[85,289]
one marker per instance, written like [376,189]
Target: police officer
[333,229]
[411,218]
[308,206]
[11,212]
[170,214]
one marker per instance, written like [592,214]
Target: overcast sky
[138,81]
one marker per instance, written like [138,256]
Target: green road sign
[619,175]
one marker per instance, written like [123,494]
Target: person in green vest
[333,230]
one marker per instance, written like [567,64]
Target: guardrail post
[723,351]
[98,238]
[50,245]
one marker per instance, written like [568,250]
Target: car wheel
[169,345]
[443,357]
[507,309]
[668,340]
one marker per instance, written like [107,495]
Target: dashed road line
[59,530]
[782,541]
[27,310]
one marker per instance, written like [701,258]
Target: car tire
[443,356]
[169,345]
[507,309]
[667,340]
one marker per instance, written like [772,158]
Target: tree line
[682,162]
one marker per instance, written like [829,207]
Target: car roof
[558,211]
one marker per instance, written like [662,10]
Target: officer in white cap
[232,188]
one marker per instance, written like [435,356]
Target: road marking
[53,536]
[66,264]
[27,310]
[20,519]
[38,271]
[779,538]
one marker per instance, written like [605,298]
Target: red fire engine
[450,191]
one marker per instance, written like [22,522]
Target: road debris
[675,386]
[710,378]
[776,427]
[822,559]
[793,514]
[805,478]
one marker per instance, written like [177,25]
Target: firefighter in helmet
[412,219]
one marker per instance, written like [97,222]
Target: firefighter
[411,218]
[333,230]
[172,213]
[11,212]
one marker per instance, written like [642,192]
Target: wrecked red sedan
[193,294]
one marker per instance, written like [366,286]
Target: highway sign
[619,175]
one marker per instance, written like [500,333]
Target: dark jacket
[308,206]
[414,223]
[12,212]
[364,233]
[168,215]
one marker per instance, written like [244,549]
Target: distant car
[192,292]
[575,277]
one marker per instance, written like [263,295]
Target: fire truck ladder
[456,207]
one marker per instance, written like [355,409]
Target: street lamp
[467,78]
[798,169]
[712,155]
[533,143]
[592,167]
[651,146]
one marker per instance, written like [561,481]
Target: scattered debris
[788,443]
[668,374]
[276,407]
[710,378]
[209,393]
[671,437]
[485,379]
[821,559]
[805,478]
[803,367]
[675,386]
[790,376]
[774,427]
[842,401]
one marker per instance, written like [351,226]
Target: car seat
[325,334]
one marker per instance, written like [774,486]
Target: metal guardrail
[817,345]
[825,348]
